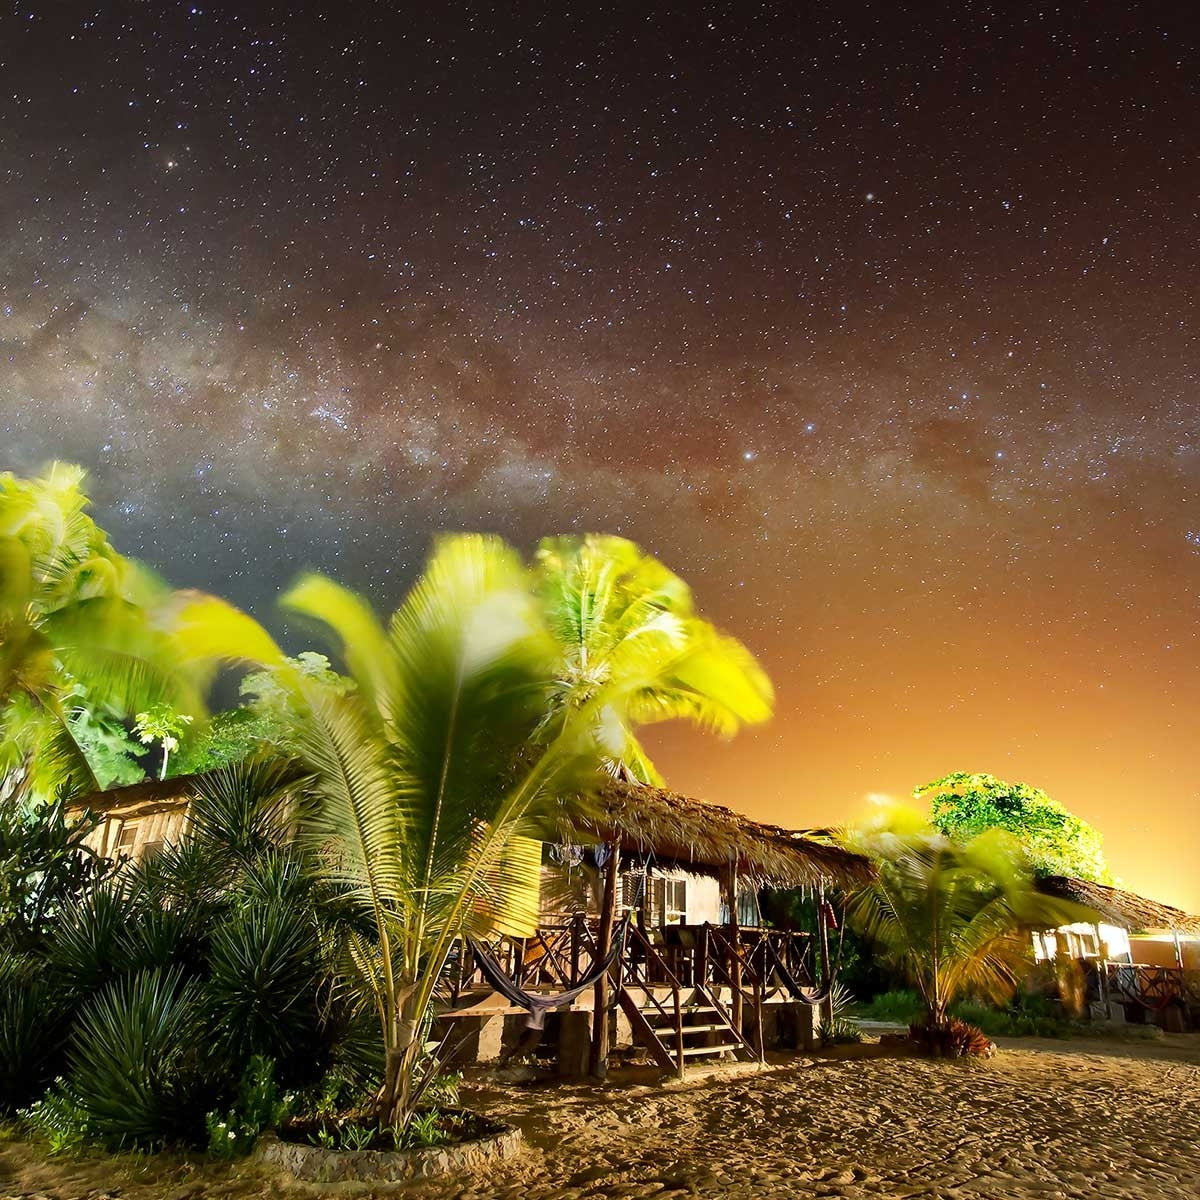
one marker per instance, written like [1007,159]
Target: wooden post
[1102,969]
[823,936]
[734,965]
[598,1058]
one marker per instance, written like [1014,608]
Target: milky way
[880,330]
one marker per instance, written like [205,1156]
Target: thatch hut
[1143,955]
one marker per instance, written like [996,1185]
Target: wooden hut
[136,821]
[683,989]
[1143,956]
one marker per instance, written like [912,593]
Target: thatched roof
[1118,907]
[139,799]
[679,831]
[706,838]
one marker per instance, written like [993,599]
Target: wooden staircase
[677,1023]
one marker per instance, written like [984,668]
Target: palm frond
[208,628]
[354,817]
[358,632]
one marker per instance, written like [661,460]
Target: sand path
[1040,1120]
[1028,1123]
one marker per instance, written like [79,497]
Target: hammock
[538,1004]
[794,987]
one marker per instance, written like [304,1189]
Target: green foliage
[77,627]
[60,1120]
[264,964]
[32,1027]
[838,1028]
[110,751]
[901,1006]
[1018,1020]
[1056,841]
[947,916]
[620,616]
[259,1105]
[423,1129]
[164,725]
[166,981]
[227,739]
[45,869]
[134,1060]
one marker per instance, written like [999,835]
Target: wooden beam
[823,934]
[598,1056]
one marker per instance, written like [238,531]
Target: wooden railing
[560,955]
[554,959]
[1154,988]
[648,974]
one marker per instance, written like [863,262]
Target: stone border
[315,1164]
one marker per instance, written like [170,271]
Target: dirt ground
[1042,1119]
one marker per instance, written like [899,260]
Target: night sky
[878,326]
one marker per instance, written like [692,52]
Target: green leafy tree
[164,725]
[618,614]
[1057,842]
[75,621]
[109,749]
[947,915]
[264,724]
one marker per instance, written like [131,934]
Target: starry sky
[879,326]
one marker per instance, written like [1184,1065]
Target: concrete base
[318,1165]
[574,1043]
[791,1026]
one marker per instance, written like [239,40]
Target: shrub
[32,1020]
[902,1006]
[132,1063]
[265,971]
[258,1106]
[954,1039]
[59,1119]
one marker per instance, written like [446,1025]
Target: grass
[1026,1017]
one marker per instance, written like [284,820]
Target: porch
[682,993]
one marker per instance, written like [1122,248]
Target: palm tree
[948,916]
[428,788]
[76,626]
[619,615]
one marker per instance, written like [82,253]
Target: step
[685,1009]
[670,1029]
[688,1051]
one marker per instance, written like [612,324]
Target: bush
[45,869]
[265,969]
[955,1039]
[903,1007]
[258,1106]
[133,1065]
[32,1028]
[59,1120]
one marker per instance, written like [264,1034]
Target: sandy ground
[1041,1119]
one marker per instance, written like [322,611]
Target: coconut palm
[620,615]
[946,916]
[76,627]
[428,786]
